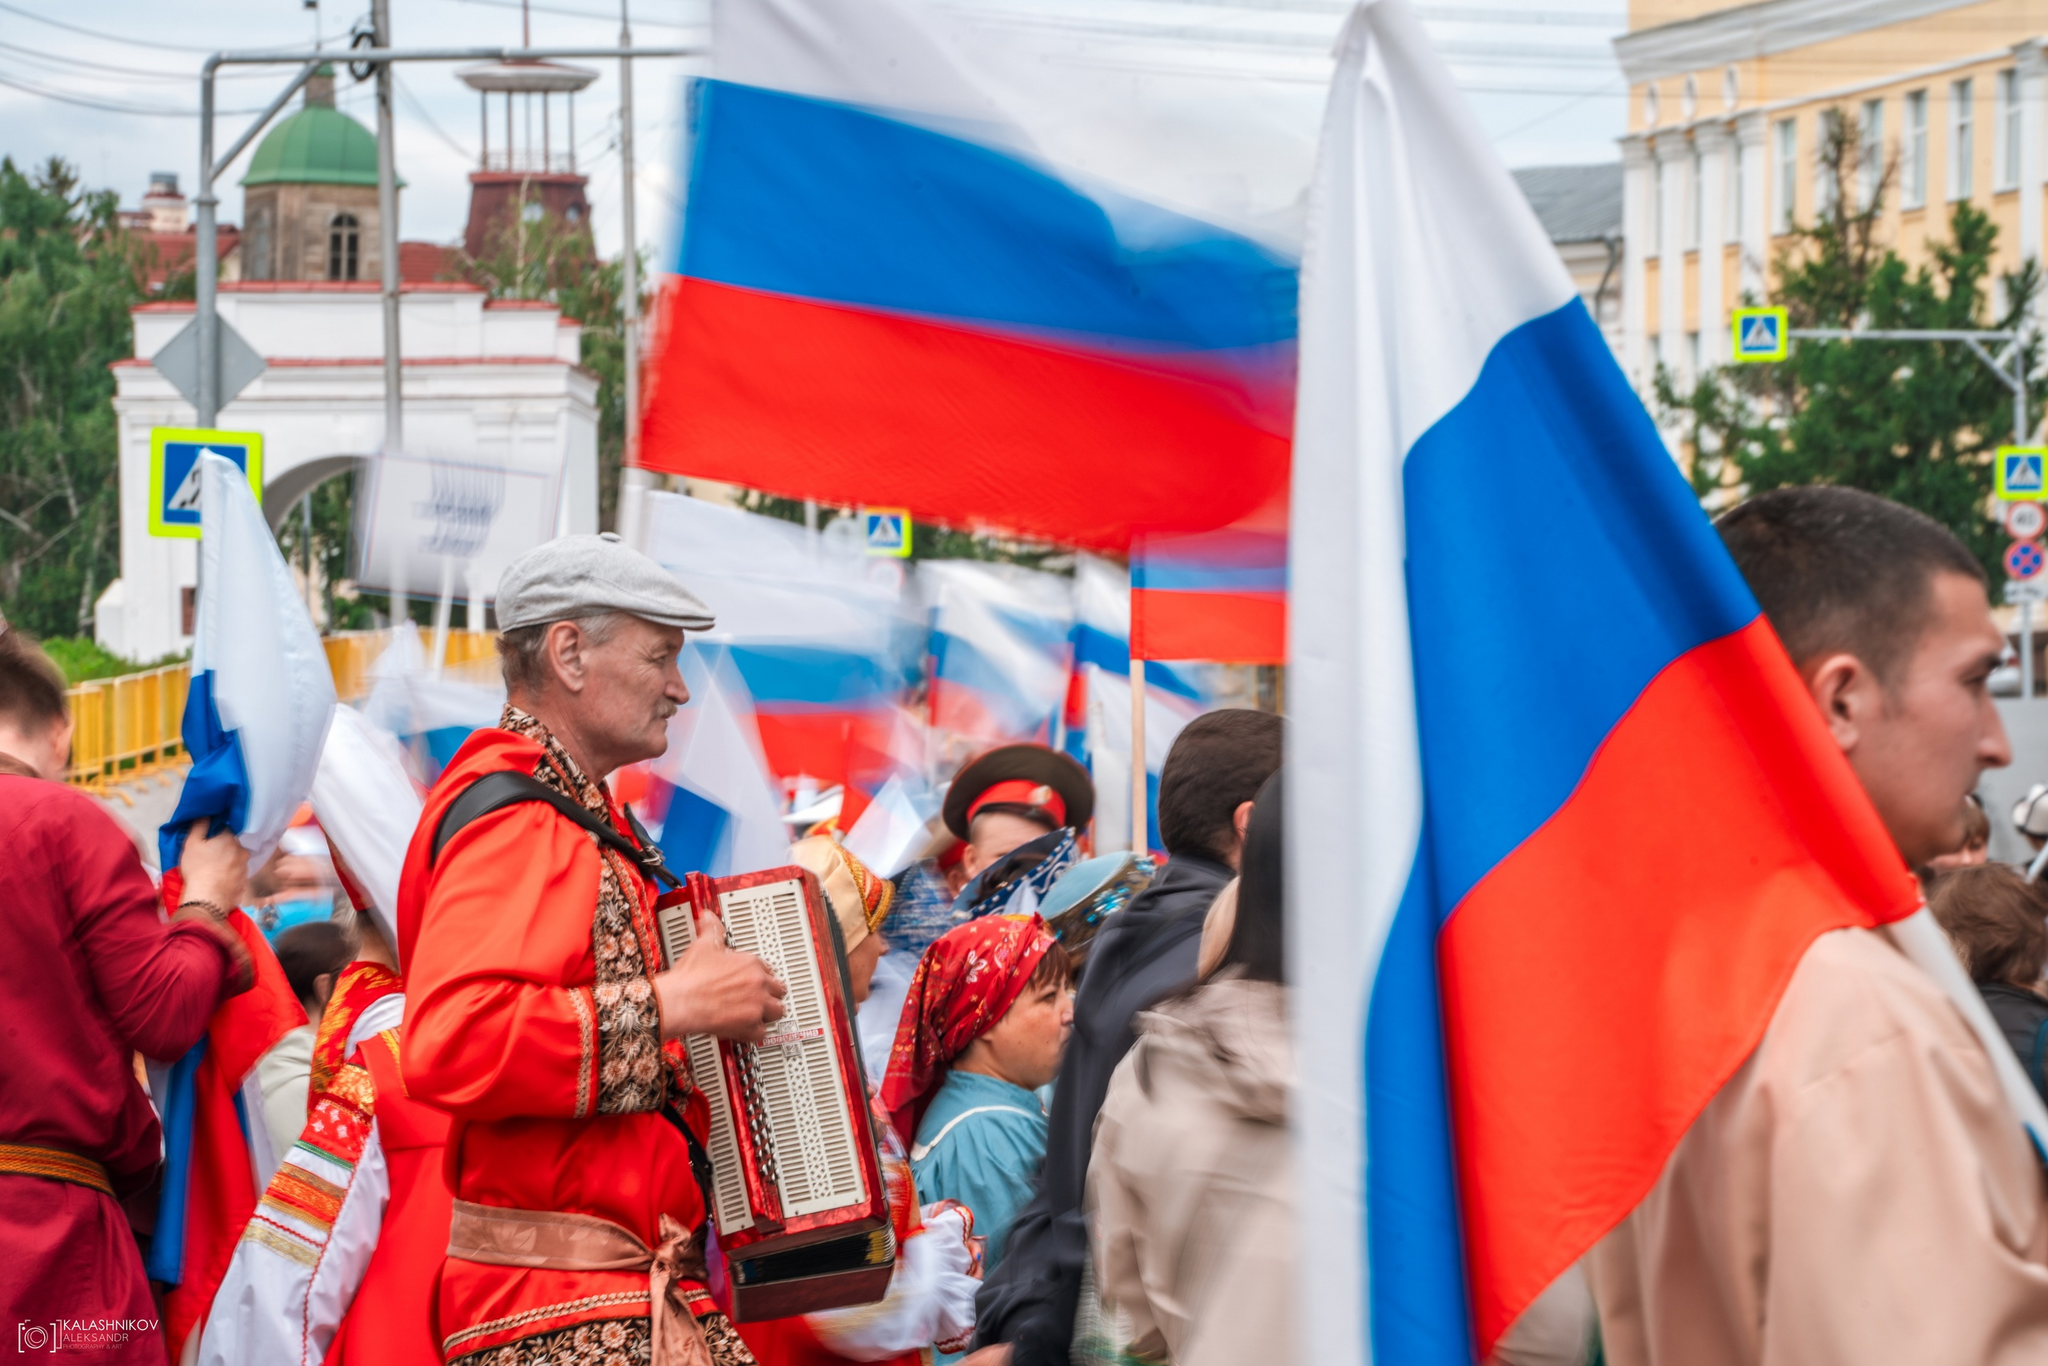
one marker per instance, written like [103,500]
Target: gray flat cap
[581,576]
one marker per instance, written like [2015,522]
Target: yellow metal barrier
[471,657]
[127,727]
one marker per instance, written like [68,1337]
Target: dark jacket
[1146,952]
[2021,1015]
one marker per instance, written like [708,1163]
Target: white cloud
[1543,81]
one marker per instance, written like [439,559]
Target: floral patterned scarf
[967,981]
[633,1075]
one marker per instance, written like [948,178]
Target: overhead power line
[607,17]
[154,44]
[108,106]
[419,111]
[86,69]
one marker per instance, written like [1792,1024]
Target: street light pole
[629,510]
[387,238]
[207,265]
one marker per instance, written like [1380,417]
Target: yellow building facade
[1729,107]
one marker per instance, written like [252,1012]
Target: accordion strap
[495,791]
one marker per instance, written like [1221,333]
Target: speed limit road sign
[2025,521]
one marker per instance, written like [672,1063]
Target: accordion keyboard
[801,1089]
[678,931]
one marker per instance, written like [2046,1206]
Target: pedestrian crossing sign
[888,531]
[1760,334]
[174,473]
[2019,474]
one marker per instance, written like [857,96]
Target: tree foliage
[67,280]
[328,516]
[1913,421]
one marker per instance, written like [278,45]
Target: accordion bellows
[799,1205]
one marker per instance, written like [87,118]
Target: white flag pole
[1921,940]
[1140,827]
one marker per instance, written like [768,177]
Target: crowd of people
[490,1149]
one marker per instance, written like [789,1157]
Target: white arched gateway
[490,384]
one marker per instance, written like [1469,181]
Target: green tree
[535,254]
[332,511]
[67,281]
[1916,422]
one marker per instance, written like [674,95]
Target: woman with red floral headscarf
[938,1258]
[982,1031]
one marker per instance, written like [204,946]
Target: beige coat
[1858,1194]
[1192,1180]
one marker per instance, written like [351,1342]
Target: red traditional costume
[89,976]
[530,954]
[338,1263]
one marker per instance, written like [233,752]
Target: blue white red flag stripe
[904,354]
[1549,878]
[1219,595]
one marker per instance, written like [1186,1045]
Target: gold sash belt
[584,1242]
[54,1164]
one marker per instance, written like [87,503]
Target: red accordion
[799,1204]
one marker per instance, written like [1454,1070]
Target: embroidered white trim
[386,1012]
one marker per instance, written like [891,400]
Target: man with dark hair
[1859,1190]
[90,975]
[1858,589]
[1146,951]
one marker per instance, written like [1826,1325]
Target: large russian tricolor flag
[887,291]
[826,644]
[1549,880]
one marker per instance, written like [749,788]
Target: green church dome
[317,145]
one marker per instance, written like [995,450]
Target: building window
[1696,193]
[1788,173]
[1870,153]
[1962,139]
[1731,89]
[1650,106]
[1827,187]
[343,239]
[2006,132]
[1913,152]
[1692,353]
